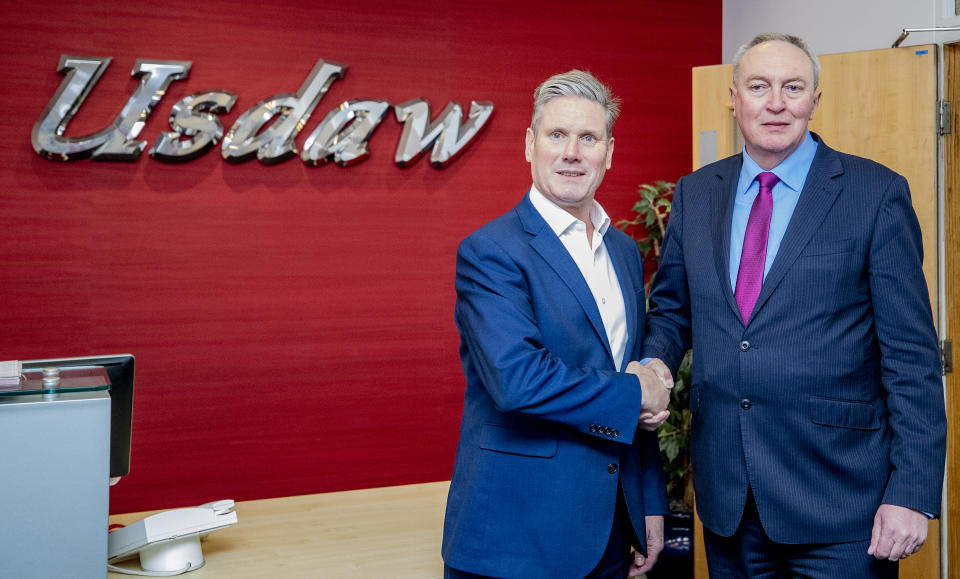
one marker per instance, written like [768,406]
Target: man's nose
[776,101]
[571,149]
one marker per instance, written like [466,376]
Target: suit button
[608,431]
[615,433]
[593,428]
[612,468]
[744,346]
[746,404]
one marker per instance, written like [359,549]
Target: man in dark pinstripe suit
[818,417]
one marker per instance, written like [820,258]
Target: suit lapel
[629,292]
[555,255]
[819,192]
[722,200]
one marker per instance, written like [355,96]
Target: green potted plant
[651,213]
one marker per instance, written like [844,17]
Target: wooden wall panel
[712,110]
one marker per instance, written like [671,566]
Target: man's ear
[816,103]
[733,100]
[528,149]
[610,153]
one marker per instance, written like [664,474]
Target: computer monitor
[119,368]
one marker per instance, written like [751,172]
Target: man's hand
[660,369]
[898,532]
[656,395]
[643,564]
[648,420]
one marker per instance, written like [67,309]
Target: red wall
[293,325]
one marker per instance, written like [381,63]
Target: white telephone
[169,542]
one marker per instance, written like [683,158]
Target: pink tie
[750,275]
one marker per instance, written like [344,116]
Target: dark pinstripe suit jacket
[829,402]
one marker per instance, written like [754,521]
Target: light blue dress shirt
[792,173]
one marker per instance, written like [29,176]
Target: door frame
[948,209]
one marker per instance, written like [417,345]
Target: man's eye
[755,87]
[556,135]
[589,139]
[794,88]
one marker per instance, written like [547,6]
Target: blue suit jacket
[549,426]
[829,401]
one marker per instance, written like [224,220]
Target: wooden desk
[386,532]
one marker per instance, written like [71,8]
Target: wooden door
[878,104]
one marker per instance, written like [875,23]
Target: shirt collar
[792,171]
[560,220]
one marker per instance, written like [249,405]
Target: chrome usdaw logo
[266,131]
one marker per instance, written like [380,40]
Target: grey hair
[776,36]
[576,83]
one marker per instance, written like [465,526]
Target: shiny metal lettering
[445,133]
[82,74]
[266,130]
[155,78]
[342,136]
[194,131]
[288,113]
[117,141]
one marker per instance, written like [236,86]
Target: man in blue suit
[794,271]
[557,472]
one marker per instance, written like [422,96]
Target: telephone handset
[169,542]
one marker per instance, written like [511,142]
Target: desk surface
[386,532]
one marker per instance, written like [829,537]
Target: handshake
[656,384]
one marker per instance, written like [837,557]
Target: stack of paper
[10,374]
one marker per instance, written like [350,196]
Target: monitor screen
[119,368]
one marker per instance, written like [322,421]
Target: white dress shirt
[594,263]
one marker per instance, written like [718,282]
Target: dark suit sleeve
[653,480]
[504,332]
[668,321]
[910,363]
